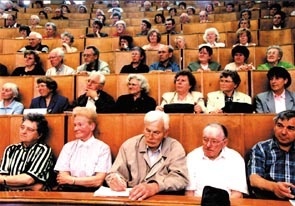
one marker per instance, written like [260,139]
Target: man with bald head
[35,43]
[214,164]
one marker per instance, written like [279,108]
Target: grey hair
[153,116]
[35,17]
[52,25]
[68,34]
[101,76]
[212,29]
[144,85]
[36,34]
[277,47]
[219,130]
[13,87]
[59,51]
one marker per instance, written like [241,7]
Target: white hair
[209,30]
[36,34]
[13,87]
[154,116]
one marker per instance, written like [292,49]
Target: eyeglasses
[225,81]
[29,129]
[87,55]
[153,133]
[213,142]
[132,84]
[90,81]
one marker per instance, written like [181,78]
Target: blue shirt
[271,163]
[170,66]
[15,107]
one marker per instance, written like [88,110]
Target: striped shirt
[270,162]
[36,161]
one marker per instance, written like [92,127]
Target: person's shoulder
[231,153]
[101,143]
[168,94]
[214,93]
[195,153]
[196,93]
[134,140]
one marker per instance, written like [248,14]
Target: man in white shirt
[216,165]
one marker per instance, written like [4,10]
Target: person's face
[180,44]
[202,16]
[33,41]
[42,15]
[33,21]
[64,9]
[209,8]
[211,37]
[154,133]
[277,84]
[54,59]
[66,40]
[272,11]
[245,15]
[158,19]
[213,143]
[49,31]
[204,56]
[277,20]
[115,19]
[172,12]
[153,37]
[83,128]
[239,58]
[182,84]
[28,133]
[134,87]
[95,28]
[190,11]
[147,7]
[229,8]
[135,55]
[93,83]
[43,90]
[273,56]
[82,10]
[120,28]
[89,56]
[243,38]
[184,19]
[124,44]
[23,33]
[58,12]
[10,21]
[169,26]
[6,93]
[164,54]
[284,131]
[143,27]
[244,24]
[227,84]
[29,60]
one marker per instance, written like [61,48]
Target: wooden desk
[70,198]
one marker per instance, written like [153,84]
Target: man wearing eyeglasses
[28,165]
[92,62]
[214,164]
[151,162]
[94,96]
[35,44]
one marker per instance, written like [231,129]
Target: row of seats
[117,59]
[252,83]
[116,128]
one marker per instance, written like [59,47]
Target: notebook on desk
[36,111]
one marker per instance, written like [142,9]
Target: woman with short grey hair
[10,96]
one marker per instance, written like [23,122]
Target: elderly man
[184,18]
[165,63]
[144,27]
[151,162]
[35,44]
[147,6]
[56,58]
[94,96]
[92,62]
[271,164]
[28,164]
[59,14]
[204,162]
[203,16]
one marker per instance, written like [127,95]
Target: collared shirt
[14,107]
[271,163]
[84,159]
[226,172]
[36,161]
[154,155]
[280,102]
[170,66]
[91,104]
[62,70]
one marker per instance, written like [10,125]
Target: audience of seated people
[185,84]
[138,62]
[138,100]
[49,97]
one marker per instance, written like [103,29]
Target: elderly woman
[184,18]
[120,28]
[204,62]
[244,37]
[84,162]
[50,31]
[179,42]
[211,37]
[137,64]
[184,93]
[34,22]
[138,100]
[49,98]
[273,58]
[67,39]
[9,103]
[240,55]
[33,65]
[229,81]
[154,38]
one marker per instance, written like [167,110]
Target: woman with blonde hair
[212,38]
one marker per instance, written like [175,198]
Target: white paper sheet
[106,191]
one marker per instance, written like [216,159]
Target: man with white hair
[35,44]
[94,96]
[56,58]
[151,162]
[147,6]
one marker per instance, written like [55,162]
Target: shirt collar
[86,143]
[283,95]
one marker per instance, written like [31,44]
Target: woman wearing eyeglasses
[138,100]
[33,65]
